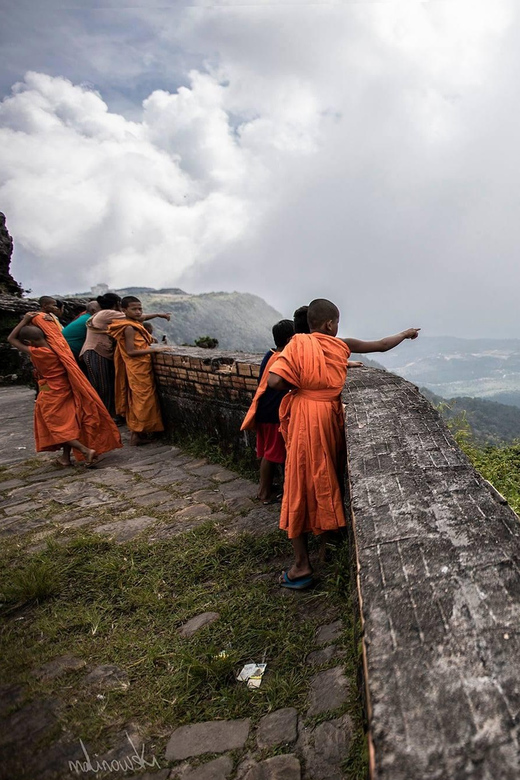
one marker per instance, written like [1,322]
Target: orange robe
[136,394]
[67,406]
[312,424]
[249,420]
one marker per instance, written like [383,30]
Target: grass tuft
[36,581]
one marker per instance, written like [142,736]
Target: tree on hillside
[206,342]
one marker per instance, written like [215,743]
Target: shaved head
[321,311]
[92,307]
[127,300]
[49,305]
[31,333]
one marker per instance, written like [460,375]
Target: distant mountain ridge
[241,322]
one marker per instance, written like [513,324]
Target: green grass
[123,604]
[500,465]
[35,582]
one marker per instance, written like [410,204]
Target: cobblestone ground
[153,492]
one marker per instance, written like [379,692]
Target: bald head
[93,307]
[48,304]
[31,334]
[322,312]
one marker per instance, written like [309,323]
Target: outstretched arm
[381,345]
[162,316]
[13,339]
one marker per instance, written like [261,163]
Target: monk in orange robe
[68,412]
[314,368]
[136,394]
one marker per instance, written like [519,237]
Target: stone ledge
[439,583]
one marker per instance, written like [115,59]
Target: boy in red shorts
[263,415]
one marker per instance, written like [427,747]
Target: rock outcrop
[7,283]
[15,367]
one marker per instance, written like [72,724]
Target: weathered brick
[179,373]
[205,390]
[244,369]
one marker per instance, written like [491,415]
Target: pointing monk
[313,367]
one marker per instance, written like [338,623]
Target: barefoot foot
[90,457]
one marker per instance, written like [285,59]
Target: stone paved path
[153,492]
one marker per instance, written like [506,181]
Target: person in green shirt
[75,332]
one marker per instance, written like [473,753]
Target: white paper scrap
[252,674]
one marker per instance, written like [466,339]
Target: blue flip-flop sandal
[298,583]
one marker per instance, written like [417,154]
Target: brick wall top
[439,581]
[214,354]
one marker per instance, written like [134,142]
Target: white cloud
[313,149]
[92,195]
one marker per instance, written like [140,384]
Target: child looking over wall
[263,415]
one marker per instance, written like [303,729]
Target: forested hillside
[489,422]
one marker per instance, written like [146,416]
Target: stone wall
[438,566]
[207,392]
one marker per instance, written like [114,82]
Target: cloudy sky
[363,151]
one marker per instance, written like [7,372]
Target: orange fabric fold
[67,406]
[249,423]
[312,424]
[135,391]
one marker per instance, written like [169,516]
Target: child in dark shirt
[263,415]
